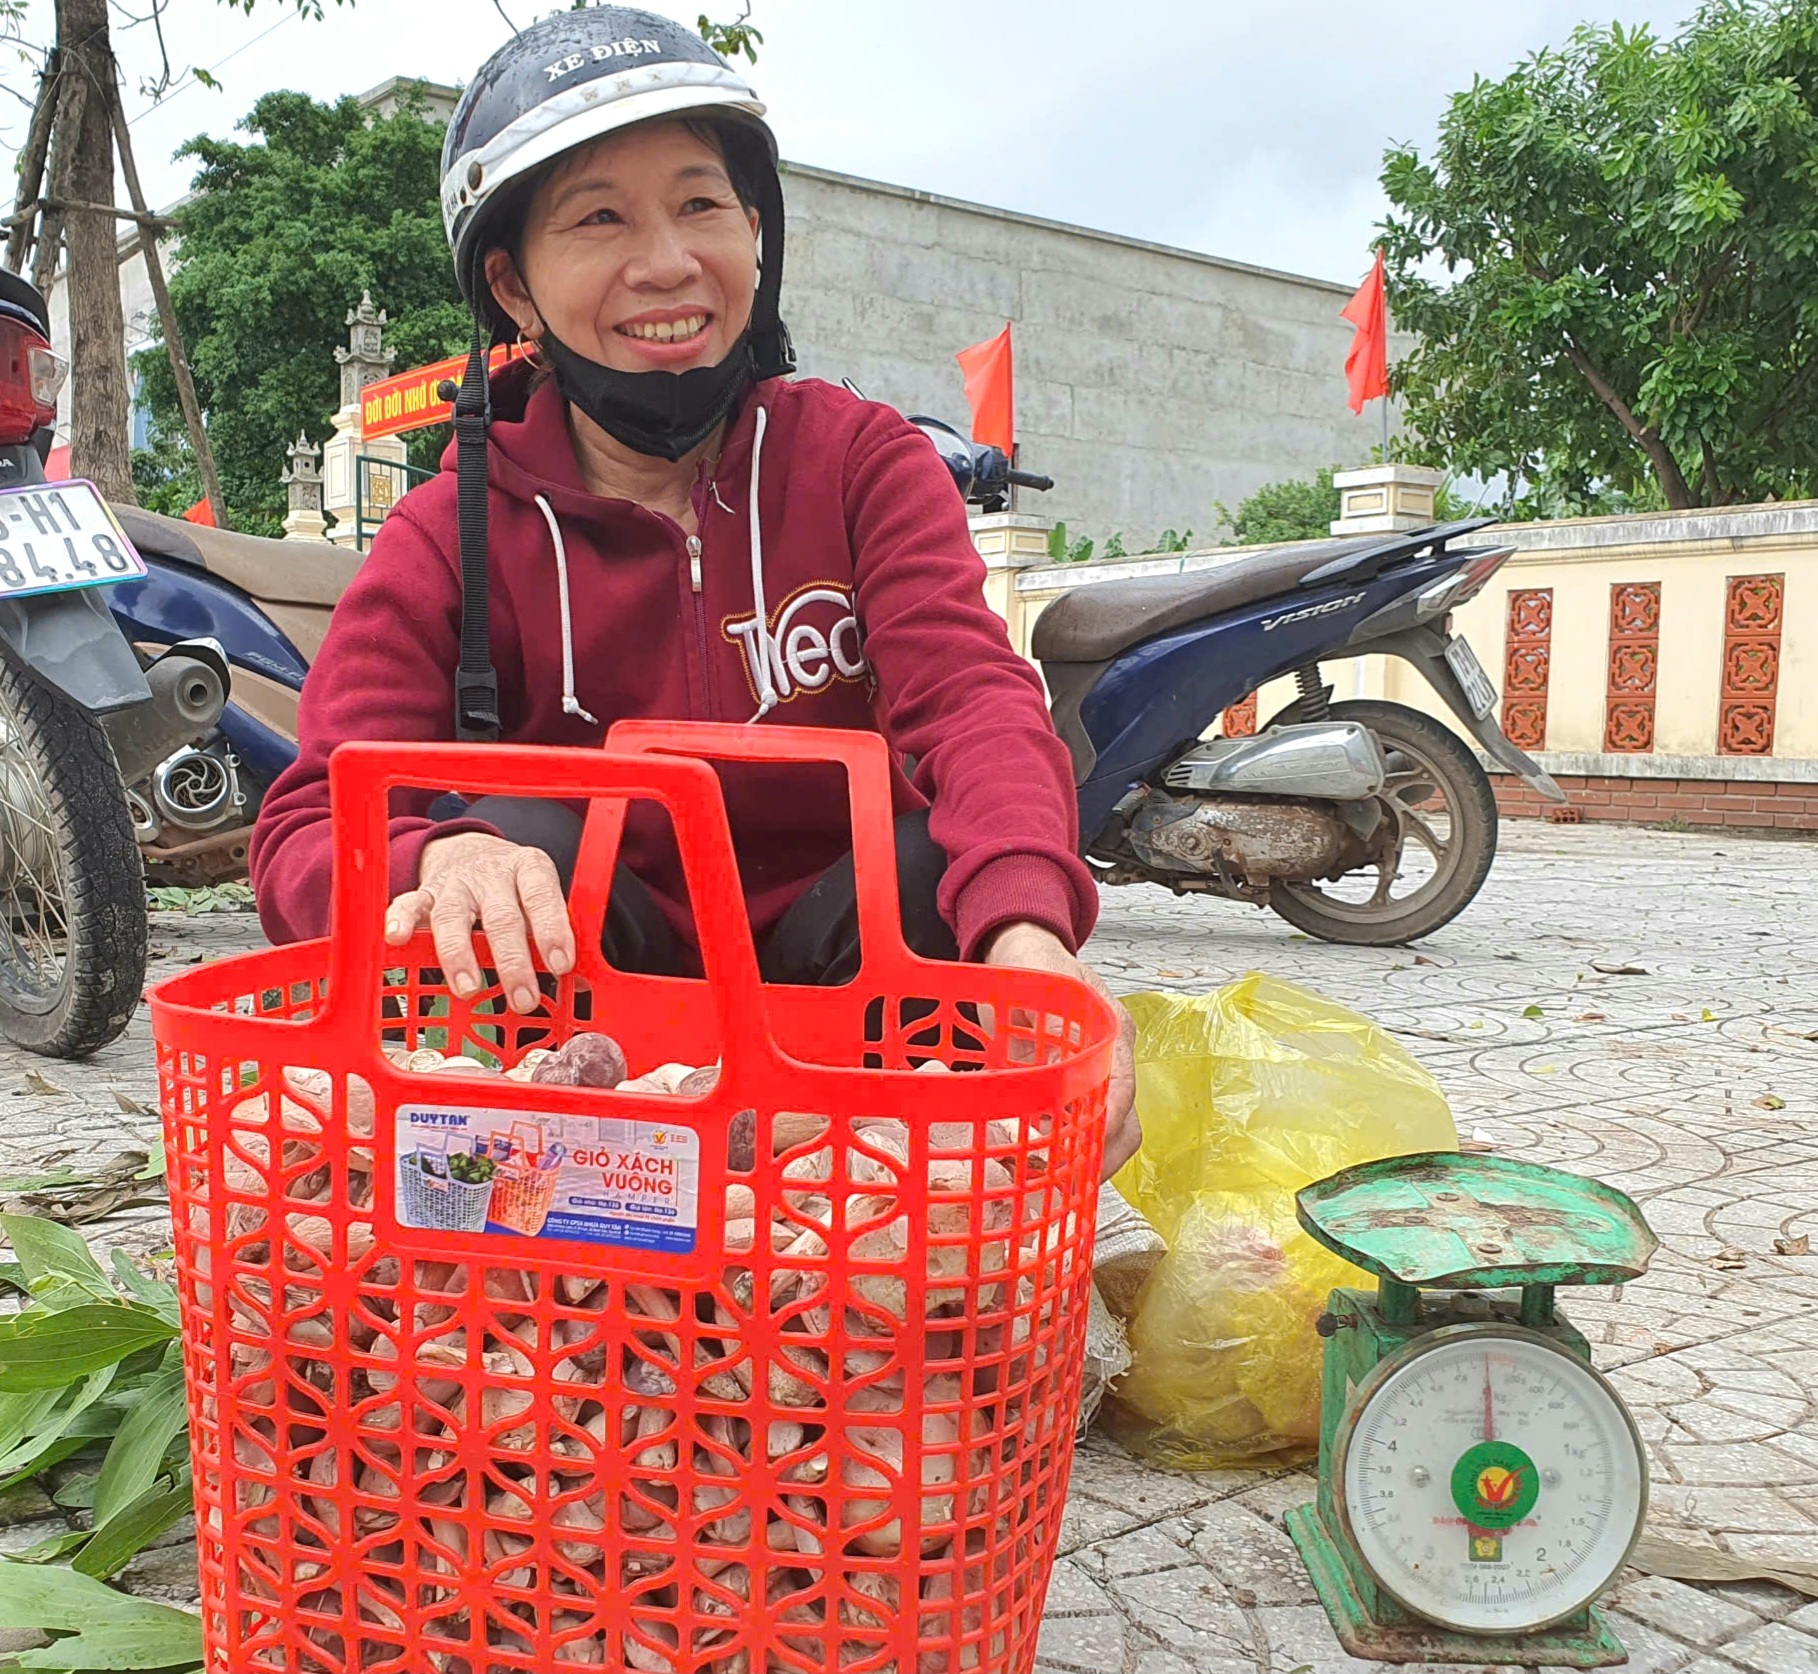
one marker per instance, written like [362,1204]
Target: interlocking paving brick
[1777,1648]
[1622,1077]
[1692,1614]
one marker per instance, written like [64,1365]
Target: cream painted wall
[1693,555]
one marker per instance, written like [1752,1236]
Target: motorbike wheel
[1445,814]
[72,888]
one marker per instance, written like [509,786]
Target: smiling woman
[632,254]
[652,520]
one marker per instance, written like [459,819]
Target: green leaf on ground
[78,1492]
[131,1466]
[154,1293]
[47,1351]
[118,1541]
[1533,1013]
[49,1252]
[54,1420]
[61,1601]
[50,1180]
[213,898]
[173,1648]
[49,1550]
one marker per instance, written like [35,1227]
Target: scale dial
[1490,1481]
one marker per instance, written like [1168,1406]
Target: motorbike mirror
[960,456]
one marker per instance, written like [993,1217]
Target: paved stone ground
[1692,1086]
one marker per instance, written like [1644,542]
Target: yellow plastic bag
[1245,1096]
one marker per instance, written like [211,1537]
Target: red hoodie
[873,616]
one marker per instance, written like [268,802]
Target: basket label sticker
[597,1179]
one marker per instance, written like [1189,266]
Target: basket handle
[864,755]
[361,777]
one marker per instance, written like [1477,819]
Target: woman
[671,528]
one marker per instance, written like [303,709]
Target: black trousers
[815,943]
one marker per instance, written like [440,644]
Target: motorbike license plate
[55,536]
[1464,664]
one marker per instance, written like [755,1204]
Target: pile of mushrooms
[746,1429]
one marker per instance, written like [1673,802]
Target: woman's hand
[512,893]
[1032,947]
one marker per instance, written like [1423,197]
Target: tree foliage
[1285,511]
[1629,228]
[280,237]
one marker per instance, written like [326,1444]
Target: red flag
[1367,365]
[201,512]
[990,388]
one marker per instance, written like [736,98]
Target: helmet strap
[476,681]
[772,353]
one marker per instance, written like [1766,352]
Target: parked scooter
[77,711]
[1363,822]
[266,603]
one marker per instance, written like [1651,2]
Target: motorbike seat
[293,572]
[1094,623]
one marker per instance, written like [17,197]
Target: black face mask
[664,414]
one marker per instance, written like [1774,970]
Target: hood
[531,459]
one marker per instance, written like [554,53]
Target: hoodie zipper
[693,544]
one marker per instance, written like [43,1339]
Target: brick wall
[1737,803]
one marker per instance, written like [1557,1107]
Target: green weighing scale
[1480,1482]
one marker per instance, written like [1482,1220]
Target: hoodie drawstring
[571,705]
[767,692]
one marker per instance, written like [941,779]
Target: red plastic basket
[840,1446]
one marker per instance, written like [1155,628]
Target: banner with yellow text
[408,400]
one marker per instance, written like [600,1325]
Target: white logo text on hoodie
[812,640]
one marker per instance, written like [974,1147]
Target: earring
[530,349]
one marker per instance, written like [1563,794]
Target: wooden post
[83,172]
[31,167]
[167,315]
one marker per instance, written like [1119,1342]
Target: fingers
[406,916]
[512,893]
[540,892]
[1123,1139]
[451,922]
[502,917]
[1123,1128]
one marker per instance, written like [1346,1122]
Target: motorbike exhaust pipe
[189,689]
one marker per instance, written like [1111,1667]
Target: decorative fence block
[1634,669]
[1526,667]
[1239,720]
[1751,665]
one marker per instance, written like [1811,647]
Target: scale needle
[1489,1403]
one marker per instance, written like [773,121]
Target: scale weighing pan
[1439,1220]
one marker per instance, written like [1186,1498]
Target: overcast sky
[1249,129]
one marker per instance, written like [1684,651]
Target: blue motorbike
[79,714]
[1362,822]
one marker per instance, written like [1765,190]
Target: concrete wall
[1150,382]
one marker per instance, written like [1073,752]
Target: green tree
[1629,228]
[280,236]
[1284,511]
